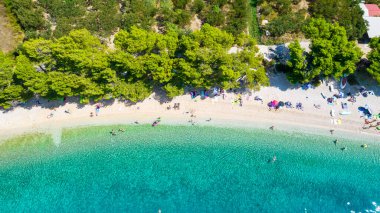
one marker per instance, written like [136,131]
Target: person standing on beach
[97,109]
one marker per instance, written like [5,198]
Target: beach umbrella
[281,104]
[274,103]
[364,110]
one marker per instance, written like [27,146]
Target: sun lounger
[257,98]
[345,113]
[299,106]
[332,113]
[288,104]
[344,106]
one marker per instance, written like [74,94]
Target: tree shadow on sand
[279,80]
[160,95]
[53,104]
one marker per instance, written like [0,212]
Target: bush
[198,6]
[103,17]
[173,91]
[28,15]
[290,23]
[214,16]
[180,3]
[182,17]
[316,82]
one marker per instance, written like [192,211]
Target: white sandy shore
[222,113]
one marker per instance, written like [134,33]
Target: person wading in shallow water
[113,133]
[273,159]
[335,141]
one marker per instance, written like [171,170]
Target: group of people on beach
[374,123]
[280,104]
[176,106]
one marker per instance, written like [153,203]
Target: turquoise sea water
[188,169]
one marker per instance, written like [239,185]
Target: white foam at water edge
[56,135]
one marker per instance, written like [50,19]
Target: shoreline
[223,112]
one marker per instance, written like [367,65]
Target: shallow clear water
[188,169]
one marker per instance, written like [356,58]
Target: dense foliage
[282,19]
[374,57]
[287,23]
[331,55]
[9,89]
[253,25]
[297,63]
[29,16]
[56,18]
[373,2]
[289,16]
[79,65]
[346,13]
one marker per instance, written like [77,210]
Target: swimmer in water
[335,141]
[113,132]
[273,159]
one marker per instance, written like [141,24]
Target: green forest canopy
[79,65]
[374,57]
[331,54]
[346,13]
[284,18]
[103,17]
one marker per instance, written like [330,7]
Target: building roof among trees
[373,26]
[373,10]
[371,15]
